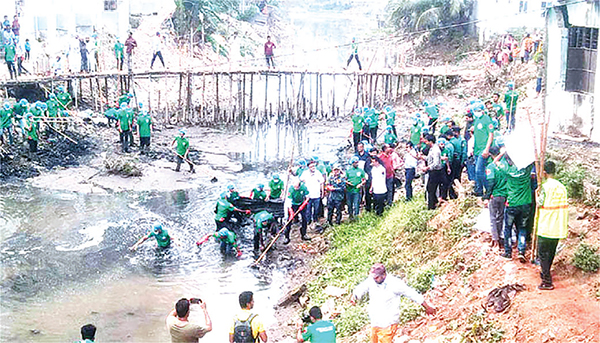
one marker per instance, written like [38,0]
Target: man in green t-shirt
[357,124]
[518,200]
[224,209]
[510,100]
[145,130]
[298,195]
[259,193]
[390,118]
[496,195]
[182,149]
[64,98]
[390,138]
[124,123]
[228,242]
[415,132]
[31,129]
[6,115]
[355,180]
[119,55]
[320,331]
[9,57]
[433,113]
[275,187]
[483,138]
[262,223]
[163,239]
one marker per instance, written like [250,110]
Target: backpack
[242,330]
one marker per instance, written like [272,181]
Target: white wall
[570,111]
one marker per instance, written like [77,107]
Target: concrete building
[497,16]
[572,68]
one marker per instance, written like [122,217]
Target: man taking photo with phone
[180,328]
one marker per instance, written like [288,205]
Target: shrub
[572,177]
[351,320]
[586,258]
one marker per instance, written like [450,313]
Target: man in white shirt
[314,181]
[378,184]
[384,302]
[156,48]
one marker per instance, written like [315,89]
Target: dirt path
[569,313]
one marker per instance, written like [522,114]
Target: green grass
[401,240]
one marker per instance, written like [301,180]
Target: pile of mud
[53,151]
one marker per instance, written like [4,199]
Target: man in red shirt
[387,159]
[130,44]
[269,46]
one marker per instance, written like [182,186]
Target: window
[110,5]
[582,55]
[523,6]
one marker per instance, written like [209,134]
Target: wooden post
[279,96]
[179,104]
[231,99]
[188,107]
[251,92]
[321,93]
[243,104]
[421,89]
[333,97]
[217,91]
[266,89]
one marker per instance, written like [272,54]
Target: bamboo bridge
[211,97]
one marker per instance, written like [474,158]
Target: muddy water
[65,257]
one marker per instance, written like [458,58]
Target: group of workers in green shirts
[24,119]
[129,118]
[365,125]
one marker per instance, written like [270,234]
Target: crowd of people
[509,49]
[22,121]
[16,51]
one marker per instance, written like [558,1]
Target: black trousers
[11,69]
[32,145]
[304,214]
[144,142]
[159,54]
[125,140]
[334,205]
[436,178]
[546,252]
[379,203]
[179,161]
[357,61]
[356,138]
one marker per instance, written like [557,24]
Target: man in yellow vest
[552,221]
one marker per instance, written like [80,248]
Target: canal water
[66,262]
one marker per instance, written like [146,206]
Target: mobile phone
[195,300]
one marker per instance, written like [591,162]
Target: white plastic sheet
[519,146]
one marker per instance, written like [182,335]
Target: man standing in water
[182,150]
[181,328]
[163,239]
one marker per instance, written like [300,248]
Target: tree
[417,15]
